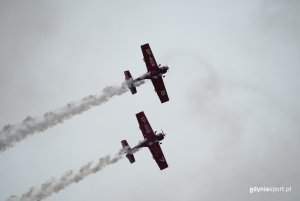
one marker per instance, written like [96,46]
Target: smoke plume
[54,186]
[11,134]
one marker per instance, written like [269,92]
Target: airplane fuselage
[157,73]
[148,143]
[154,74]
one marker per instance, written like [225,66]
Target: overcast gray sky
[232,121]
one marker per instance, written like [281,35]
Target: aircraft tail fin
[127,149]
[130,82]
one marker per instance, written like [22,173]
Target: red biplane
[151,140]
[154,72]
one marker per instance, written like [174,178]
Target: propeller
[162,132]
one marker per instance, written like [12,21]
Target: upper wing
[160,89]
[145,126]
[158,156]
[149,58]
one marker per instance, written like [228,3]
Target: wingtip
[141,112]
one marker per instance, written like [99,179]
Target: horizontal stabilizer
[130,158]
[130,82]
[127,149]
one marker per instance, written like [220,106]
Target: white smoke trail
[11,134]
[54,186]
